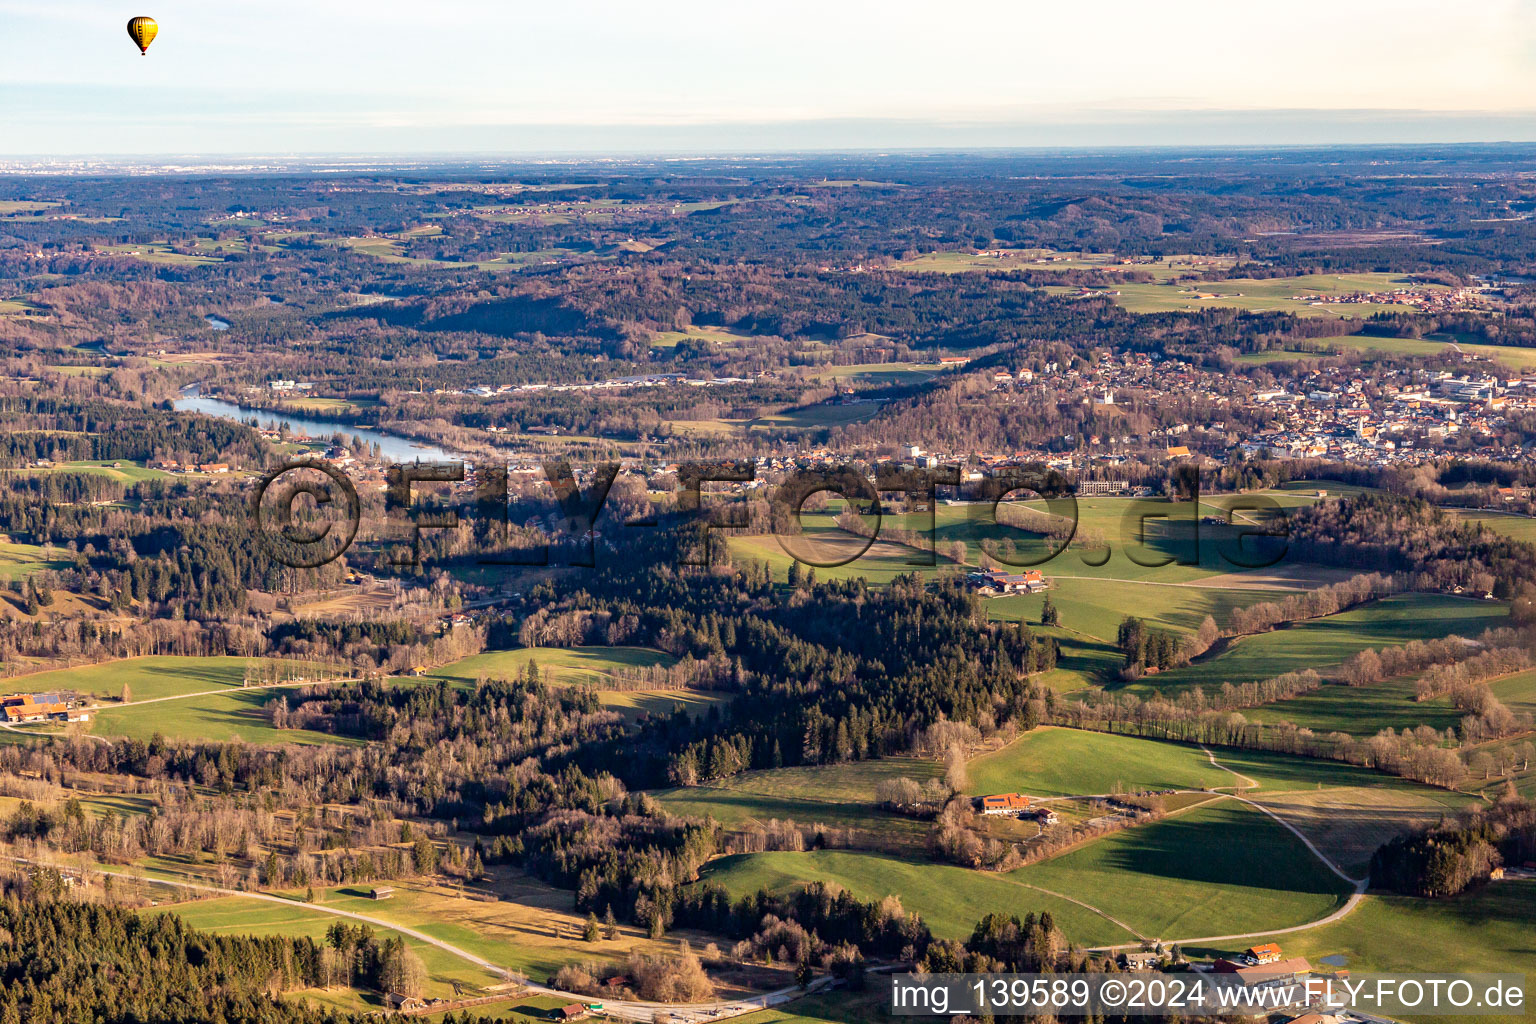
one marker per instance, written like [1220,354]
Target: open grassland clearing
[1347,811]
[11,207]
[879,564]
[838,1007]
[720,336]
[876,374]
[162,253]
[1349,824]
[1320,643]
[1360,710]
[810,417]
[1075,762]
[635,704]
[564,666]
[1098,606]
[239,915]
[154,677]
[22,307]
[1313,295]
[1509,525]
[787,419]
[1195,874]
[18,561]
[587,666]
[1515,357]
[1189,874]
[532,938]
[121,470]
[1518,691]
[950,899]
[1487,929]
[970,261]
[392,250]
[838,796]
[239,714]
[1116,538]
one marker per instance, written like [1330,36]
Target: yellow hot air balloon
[142,31]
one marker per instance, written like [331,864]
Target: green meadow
[1194,874]
[1487,929]
[567,666]
[1517,527]
[18,561]
[1319,643]
[147,678]
[121,470]
[1072,762]
[239,915]
[586,666]
[840,795]
[950,899]
[1281,294]
[1190,874]
[238,714]
[1360,710]
[1097,606]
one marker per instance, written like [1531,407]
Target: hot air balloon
[142,31]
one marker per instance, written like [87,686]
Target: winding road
[1344,911]
[644,1012]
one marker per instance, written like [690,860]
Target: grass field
[1351,823]
[877,374]
[214,717]
[1488,929]
[586,666]
[392,250]
[18,561]
[811,417]
[146,678]
[950,899]
[841,1007]
[1360,710]
[518,933]
[966,261]
[162,253]
[568,666]
[1347,811]
[1517,527]
[1518,691]
[715,335]
[115,469]
[1097,606]
[879,564]
[1323,642]
[1191,874]
[1194,874]
[1067,762]
[238,915]
[841,795]
[1269,295]
[1515,357]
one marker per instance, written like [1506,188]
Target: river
[391,447]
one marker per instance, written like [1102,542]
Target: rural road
[1359,884]
[642,1012]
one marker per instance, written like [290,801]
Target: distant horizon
[292,76]
[1202,131]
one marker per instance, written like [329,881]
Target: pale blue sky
[486,75]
